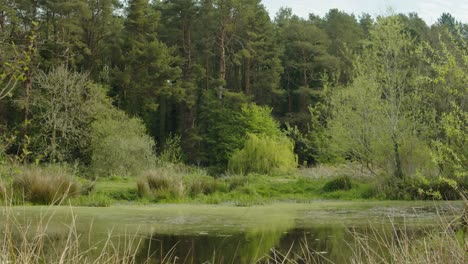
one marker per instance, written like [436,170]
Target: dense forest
[111,86]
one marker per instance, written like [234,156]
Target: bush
[160,184]
[172,150]
[49,185]
[63,107]
[420,188]
[264,154]
[339,183]
[435,189]
[236,181]
[303,145]
[120,145]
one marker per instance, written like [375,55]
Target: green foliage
[227,127]
[6,141]
[345,37]
[144,71]
[172,150]
[338,183]
[452,152]
[258,120]
[305,55]
[374,118]
[120,145]
[264,154]
[221,129]
[44,185]
[15,70]
[176,183]
[421,188]
[129,194]
[236,181]
[303,145]
[202,184]
[446,57]
[63,107]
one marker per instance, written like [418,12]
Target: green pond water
[229,234]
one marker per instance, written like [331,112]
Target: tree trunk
[222,64]
[27,104]
[162,119]
[289,95]
[396,148]
[304,70]
[247,76]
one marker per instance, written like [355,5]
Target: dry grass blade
[435,246]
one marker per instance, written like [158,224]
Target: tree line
[388,92]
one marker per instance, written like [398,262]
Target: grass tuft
[44,185]
[160,183]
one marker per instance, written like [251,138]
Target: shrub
[63,107]
[423,189]
[160,184]
[236,181]
[336,184]
[303,145]
[44,185]
[172,149]
[264,154]
[120,145]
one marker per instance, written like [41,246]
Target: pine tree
[146,71]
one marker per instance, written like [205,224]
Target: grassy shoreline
[179,184]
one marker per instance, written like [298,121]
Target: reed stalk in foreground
[444,244]
[28,243]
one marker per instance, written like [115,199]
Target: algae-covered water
[228,234]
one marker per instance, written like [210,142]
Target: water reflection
[216,248]
[323,244]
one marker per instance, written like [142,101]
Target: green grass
[117,189]
[92,200]
[248,190]
[241,190]
[195,186]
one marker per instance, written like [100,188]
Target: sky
[429,10]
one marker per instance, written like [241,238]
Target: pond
[227,234]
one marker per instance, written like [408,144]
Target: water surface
[228,234]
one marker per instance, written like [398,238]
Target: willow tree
[264,154]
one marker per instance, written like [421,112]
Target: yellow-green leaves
[264,154]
